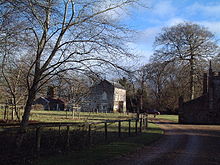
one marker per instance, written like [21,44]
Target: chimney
[50,92]
[210,87]
[205,83]
[210,69]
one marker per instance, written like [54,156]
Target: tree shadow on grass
[55,141]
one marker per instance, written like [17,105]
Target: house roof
[115,84]
[43,100]
[57,101]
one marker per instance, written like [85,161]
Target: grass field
[173,118]
[63,116]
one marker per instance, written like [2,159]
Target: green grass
[62,116]
[173,118]
[99,153]
[100,150]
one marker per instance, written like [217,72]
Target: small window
[104,96]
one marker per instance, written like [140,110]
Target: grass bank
[99,153]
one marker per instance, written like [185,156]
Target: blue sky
[164,13]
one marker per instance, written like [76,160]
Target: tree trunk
[28,106]
[15,108]
[192,78]
[141,95]
[141,102]
[26,115]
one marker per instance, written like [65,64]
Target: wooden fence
[89,129]
[140,124]
[11,111]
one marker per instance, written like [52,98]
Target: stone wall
[100,98]
[105,97]
[119,100]
[205,109]
[194,111]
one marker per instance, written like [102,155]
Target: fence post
[146,121]
[12,112]
[73,115]
[19,112]
[38,138]
[67,137]
[5,112]
[136,126]
[89,134]
[129,127]
[140,129]
[59,131]
[8,109]
[106,131]
[119,129]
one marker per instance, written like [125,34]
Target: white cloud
[214,27]
[142,51]
[148,35]
[145,56]
[115,14]
[175,21]
[208,9]
[164,9]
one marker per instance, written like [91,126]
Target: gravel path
[181,145]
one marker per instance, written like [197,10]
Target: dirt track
[181,145]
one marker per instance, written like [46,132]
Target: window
[104,96]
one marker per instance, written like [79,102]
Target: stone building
[50,102]
[206,108]
[105,97]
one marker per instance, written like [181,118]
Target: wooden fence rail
[39,128]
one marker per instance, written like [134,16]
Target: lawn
[63,116]
[173,118]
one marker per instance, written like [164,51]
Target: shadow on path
[181,145]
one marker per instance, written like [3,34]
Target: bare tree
[216,62]
[166,82]
[12,70]
[156,78]
[71,87]
[67,35]
[188,43]
[14,87]
[136,90]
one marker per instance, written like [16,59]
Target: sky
[148,21]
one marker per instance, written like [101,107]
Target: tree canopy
[185,44]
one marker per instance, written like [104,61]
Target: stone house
[206,108]
[50,102]
[105,96]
